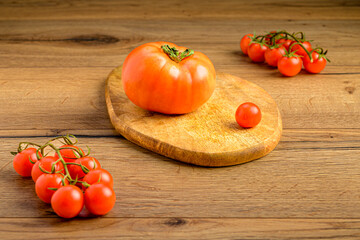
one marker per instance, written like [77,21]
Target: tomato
[22,164]
[272,56]
[46,181]
[68,201]
[248,115]
[245,42]
[99,175]
[284,42]
[99,198]
[317,65]
[290,66]
[256,52]
[68,154]
[166,78]
[88,162]
[46,164]
[299,50]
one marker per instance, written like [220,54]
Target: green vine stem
[27,144]
[175,55]
[67,174]
[287,35]
[66,139]
[76,151]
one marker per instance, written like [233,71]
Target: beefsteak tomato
[163,77]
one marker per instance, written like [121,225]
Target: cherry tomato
[68,154]
[46,164]
[248,115]
[99,198]
[284,42]
[99,175]
[22,164]
[67,201]
[88,162]
[299,50]
[256,52]
[166,78]
[245,42]
[46,181]
[272,56]
[317,65]
[290,66]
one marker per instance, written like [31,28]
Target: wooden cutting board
[209,136]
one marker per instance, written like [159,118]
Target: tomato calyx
[289,53]
[174,53]
[321,53]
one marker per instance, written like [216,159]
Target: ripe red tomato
[67,201]
[68,154]
[22,164]
[256,52]
[317,65]
[290,66]
[299,50]
[166,78]
[46,181]
[248,115]
[284,42]
[99,175]
[245,42]
[99,198]
[88,162]
[46,164]
[272,56]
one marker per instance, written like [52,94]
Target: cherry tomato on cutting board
[248,115]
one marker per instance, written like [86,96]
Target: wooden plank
[313,176]
[107,42]
[49,101]
[112,9]
[179,228]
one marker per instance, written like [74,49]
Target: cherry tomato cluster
[69,179]
[288,52]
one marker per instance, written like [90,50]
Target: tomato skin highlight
[290,66]
[99,199]
[257,52]
[22,164]
[46,181]
[101,174]
[154,82]
[68,154]
[46,164]
[248,115]
[317,65]
[272,56]
[245,42]
[67,201]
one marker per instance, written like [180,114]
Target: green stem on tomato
[175,55]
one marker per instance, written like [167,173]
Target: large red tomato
[166,78]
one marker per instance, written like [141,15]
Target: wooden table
[55,57]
